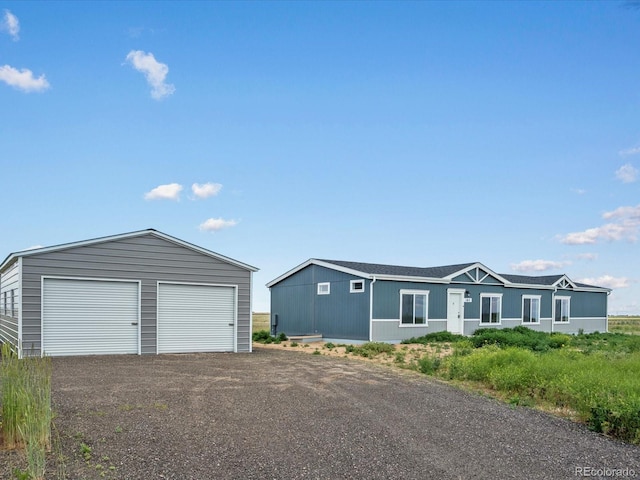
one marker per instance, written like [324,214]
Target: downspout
[553,307]
[606,322]
[371,308]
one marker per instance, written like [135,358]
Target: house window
[530,309]
[490,308]
[356,286]
[562,309]
[324,288]
[4,303]
[413,307]
[13,303]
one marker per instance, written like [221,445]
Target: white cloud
[627,173]
[606,281]
[579,191]
[629,151]
[206,190]
[215,224]
[587,256]
[23,79]
[154,71]
[538,265]
[11,25]
[170,191]
[625,225]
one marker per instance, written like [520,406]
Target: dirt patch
[402,355]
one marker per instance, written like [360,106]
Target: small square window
[356,286]
[324,288]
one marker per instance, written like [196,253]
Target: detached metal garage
[137,293]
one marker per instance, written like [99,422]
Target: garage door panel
[88,317]
[195,318]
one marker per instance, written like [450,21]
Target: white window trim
[426,309]
[321,286]
[532,297]
[354,290]
[491,295]
[568,299]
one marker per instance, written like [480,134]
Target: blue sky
[409,133]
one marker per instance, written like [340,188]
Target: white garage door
[195,318]
[89,317]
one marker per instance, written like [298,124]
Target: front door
[455,311]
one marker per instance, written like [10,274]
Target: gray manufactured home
[143,292]
[373,302]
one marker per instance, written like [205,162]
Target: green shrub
[329,345]
[372,349]
[519,336]
[264,336]
[429,364]
[435,337]
[400,358]
[261,335]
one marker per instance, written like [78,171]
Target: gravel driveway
[280,415]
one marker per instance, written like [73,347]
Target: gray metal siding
[10,281]
[587,325]
[386,298]
[586,304]
[146,258]
[391,332]
[293,306]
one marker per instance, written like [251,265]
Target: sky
[405,133]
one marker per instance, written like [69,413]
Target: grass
[595,377]
[624,324]
[26,407]
[261,321]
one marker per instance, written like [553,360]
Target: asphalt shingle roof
[442,272]
[380,269]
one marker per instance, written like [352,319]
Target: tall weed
[26,406]
[603,389]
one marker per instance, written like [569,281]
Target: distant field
[261,321]
[624,324]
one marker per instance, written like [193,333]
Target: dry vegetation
[624,324]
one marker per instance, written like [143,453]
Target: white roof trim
[478,265]
[357,273]
[313,261]
[140,233]
[566,279]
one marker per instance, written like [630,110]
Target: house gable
[477,274]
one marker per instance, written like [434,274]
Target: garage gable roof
[150,231]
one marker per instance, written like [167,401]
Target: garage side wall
[10,304]
[148,259]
